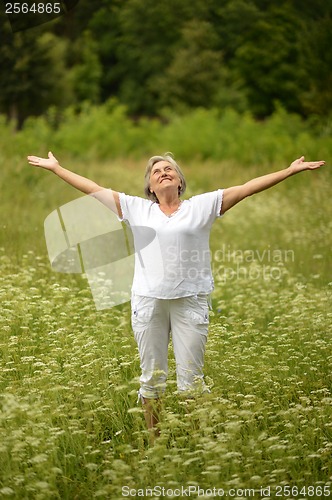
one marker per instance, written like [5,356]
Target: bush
[101,132]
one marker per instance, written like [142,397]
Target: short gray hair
[152,161]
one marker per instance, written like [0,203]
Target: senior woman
[171,286]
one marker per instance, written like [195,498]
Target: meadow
[70,426]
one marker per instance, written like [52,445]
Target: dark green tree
[194,74]
[86,73]
[268,62]
[137,43]
[32,72]
[248,54]
[317,62]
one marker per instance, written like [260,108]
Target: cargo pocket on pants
[141,313]
[197,313]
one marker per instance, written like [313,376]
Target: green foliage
[154,56]
[197,61]
[268,62]
[32,72]
[85,75]
[148,32]
[237,53]
[103,132]
[317,60]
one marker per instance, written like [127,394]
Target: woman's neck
[169,201]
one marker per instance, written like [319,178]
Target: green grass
[70,427]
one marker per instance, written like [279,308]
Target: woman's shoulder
[132,199]
[202,197]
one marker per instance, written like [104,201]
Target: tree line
[170,56]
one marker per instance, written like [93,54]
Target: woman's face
[164,176]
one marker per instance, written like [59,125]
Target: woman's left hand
[299,165]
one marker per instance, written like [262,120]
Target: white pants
[153,321]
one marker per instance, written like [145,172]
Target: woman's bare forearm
[108,197]
[79,182]
[235,194]
[265,181]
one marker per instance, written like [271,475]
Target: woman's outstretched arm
[235,194]
[79,182]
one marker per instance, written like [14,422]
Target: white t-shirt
[172,255]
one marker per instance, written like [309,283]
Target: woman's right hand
[50,163]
